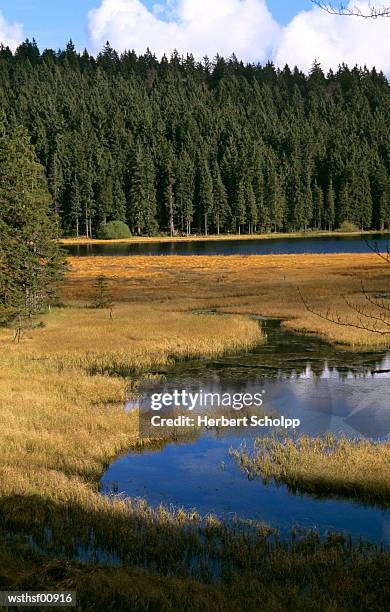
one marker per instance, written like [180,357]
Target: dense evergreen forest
[181,146]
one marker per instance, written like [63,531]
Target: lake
[328,389]
[253,246]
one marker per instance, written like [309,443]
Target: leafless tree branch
[368,320]
[374,247]
[337,320]
[353,11]
[377,302]
[380,317]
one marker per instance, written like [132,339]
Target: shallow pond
[329,390]
[253,246]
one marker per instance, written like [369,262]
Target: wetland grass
[323,466]
[305,575]
[252,285]
[62,390]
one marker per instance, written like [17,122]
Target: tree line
[180,146]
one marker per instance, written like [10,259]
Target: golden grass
[61,426]
[62,390]
[140,336]
[256,285]
[322,466]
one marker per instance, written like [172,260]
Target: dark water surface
[322,244]
[329,390]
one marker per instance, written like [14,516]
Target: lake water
[334,244]
[329,390]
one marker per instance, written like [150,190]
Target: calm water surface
[329,390]
[334,244]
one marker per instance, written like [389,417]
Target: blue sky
[53,22]
[284,31]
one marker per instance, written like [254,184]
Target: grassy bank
[196,238]
[140,336]
[60,429]
[62,390]
[323,466]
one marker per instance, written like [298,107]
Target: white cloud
[245,27]
[333,39]
[202,27]
[11,35]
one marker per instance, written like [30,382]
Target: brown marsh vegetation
[253,285]
[62,389]
[322,466]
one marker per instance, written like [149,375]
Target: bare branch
[377,319]
[337,320]
[374,247]
[378,303]
[381,317]
[353,11]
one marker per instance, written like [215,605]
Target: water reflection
[330,391]
[253,246]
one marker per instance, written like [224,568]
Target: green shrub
[114,230]
[348,226]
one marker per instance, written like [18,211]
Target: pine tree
[318,206]
[220,201]
[102,295]
[345,213]
[184,191]
[384,211]
[205,193]
[307,197]
[329,211]
[30,260]
[75,205]
[360,201]
[263,211]
[240,206]
[142,209]
[252,209]
[282,133]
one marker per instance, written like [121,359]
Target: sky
[284,31]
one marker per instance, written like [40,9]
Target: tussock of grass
[358,469]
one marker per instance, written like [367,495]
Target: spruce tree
[205,193]
[240,206]
[184,191]
[318,206]
[30,259]
[220,201]
[142,208]
[87,117]
[345,212]
[329,210]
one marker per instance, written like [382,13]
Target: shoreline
[221,238]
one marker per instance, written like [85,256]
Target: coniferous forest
[180,146]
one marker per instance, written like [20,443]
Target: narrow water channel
[328,389]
